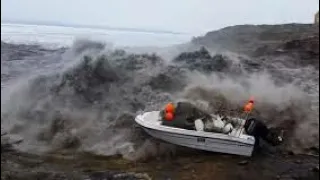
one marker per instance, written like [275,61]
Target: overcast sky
[193,16]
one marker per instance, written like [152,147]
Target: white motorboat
[236,142]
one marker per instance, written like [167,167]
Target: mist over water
[85,97]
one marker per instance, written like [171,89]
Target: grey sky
[193,16]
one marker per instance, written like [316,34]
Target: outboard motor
[258,129]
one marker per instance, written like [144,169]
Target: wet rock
[285,177]
[202,61]
[248,38]
[251,65]
[298,161]
[244,162]
[203,53]
[315,169]
[25,175]
[31,175]
[169,79]
[291,153]
[313,150]
[124,120]
[65,140]
[186,167]
[135,62]
[8,142]
[199,160]
[118,176]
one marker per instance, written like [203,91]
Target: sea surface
[59,36]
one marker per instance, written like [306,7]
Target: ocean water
[60,36]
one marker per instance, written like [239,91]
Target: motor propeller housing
[258,129]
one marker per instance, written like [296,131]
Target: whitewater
[79,89]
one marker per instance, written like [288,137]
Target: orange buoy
[248,107]
[169,108]
[169,116]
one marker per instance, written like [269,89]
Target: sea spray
[89,103]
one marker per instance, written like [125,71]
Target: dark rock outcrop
[202,61]
[247,38]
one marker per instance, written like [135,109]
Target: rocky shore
[257,48]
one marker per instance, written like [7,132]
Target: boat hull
[215,142]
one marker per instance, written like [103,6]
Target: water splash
[88,100]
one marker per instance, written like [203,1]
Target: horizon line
[105,27]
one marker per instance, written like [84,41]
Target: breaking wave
[85,98]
